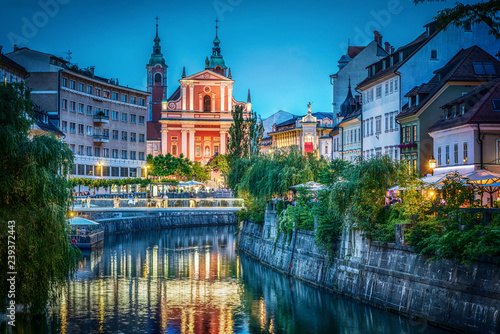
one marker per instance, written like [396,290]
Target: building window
[72,127]
[378,92]
[106,94]
[124,135]
[157,79]
[80,87]
[98,92]
[439,156]
[133,136]
[115,134]
[105,153]
[80,149]
[414,133]
[115,96]
[434,54]
[115,154]
[378,124]
[89,89]
[391,87]
[395,85]
[64,104]
[81,108]
[80,129]
[64,126]
[468,27]
[174,149]
[466,158]
[141,119]
[105,170]
[72,84]
[133,118]
[97,152]
[198,150]
[124,116]
[371,122]
[133,100]
[124,154]
[141,138]
[141,155]
[141,102]
[483,68]
[387,88]
[89,131]
[81,169]
[124,171]
[89,151]
[64,82]
[216,149]
[455,153]
[447,154]
[114,115]
[124,98]
[132,155]
[115,171]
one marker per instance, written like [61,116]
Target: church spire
[184,72]
[156,56]
[217,63]
[249,98]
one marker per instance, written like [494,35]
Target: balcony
[101,118]
[101,139]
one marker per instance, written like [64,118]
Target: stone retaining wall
[445,293]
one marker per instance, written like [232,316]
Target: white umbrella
[486,180]
[311,186]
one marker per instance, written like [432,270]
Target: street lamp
[432,164]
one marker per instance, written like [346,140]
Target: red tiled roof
[459,68]
[482,112]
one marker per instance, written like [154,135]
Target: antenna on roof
[68,57]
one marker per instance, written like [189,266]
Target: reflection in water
[192,281]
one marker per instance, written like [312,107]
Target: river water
[192,280]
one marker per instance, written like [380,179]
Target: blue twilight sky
[283,50]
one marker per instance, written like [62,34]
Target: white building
[410,65]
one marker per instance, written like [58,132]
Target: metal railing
[159,203]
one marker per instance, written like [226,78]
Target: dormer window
[454,111]
[468,26]
[482,68]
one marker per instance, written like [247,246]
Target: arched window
[207,103]
[157,78]
[174,150]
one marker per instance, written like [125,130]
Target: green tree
[201,173]
[237,143]
[35,194]
[463,15]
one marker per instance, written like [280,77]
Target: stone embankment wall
[445,293]
[117,222]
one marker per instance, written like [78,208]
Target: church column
[222,95]
[183,86]
[191,145]
[184,142]
[191,97]
[200,108]
[164,141]
[223,142]
[230,98]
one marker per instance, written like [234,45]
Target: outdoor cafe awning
[190,183]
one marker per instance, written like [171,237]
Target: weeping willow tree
[357,199]
[35,194]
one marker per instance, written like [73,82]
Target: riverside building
[103,123]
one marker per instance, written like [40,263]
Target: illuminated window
[174,149]
[198,150]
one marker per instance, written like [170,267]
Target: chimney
[15,47]
[392,50]
[387,47]
[380,39]
[1,49]
[92,70]
[375,35]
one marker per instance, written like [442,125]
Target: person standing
[165,200]
[116,202]
[88,201]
